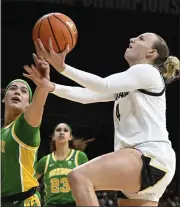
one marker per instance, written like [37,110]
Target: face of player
[17,97]
[141,50]
[62,134]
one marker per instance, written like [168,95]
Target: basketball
[59,27]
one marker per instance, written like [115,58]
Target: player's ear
[3,101]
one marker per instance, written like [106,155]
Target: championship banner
[152,6]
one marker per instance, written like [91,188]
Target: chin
[16,107]
[62,141]
[127,57]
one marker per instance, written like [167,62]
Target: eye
[12,88]
[24,91]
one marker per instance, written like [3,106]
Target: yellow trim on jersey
[20,142]
[70,155]
[47,162]
[8,125]
[26,159]
[53,156]
[76,158]
[152,163]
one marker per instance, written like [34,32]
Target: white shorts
[159,163]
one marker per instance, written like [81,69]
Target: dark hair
[53,145]
[169,66]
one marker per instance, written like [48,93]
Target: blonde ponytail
[171,68]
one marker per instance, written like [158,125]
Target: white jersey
[139,116]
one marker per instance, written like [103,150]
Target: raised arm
[140,76]
[33,114]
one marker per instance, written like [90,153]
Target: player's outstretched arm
[34,112]
[77,94]
[80,95]
[140,76]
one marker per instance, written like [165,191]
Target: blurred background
[105,27]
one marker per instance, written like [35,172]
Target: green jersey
[19,144]
[57,189]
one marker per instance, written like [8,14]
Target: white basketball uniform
[139,116]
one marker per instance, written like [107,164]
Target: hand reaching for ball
[57,60]
[39,73]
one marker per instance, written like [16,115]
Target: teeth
[16,99]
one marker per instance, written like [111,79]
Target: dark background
[103,37]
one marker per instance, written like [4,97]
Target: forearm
[34,112]
[81,95]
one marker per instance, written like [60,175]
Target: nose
[17,92]
[132,40]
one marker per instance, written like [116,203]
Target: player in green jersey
[20,139]
[56,166]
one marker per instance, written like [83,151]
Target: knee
[74,177]
[77,178]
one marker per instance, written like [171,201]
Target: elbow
[85,102]
[102,90]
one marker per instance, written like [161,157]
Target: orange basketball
[59,27]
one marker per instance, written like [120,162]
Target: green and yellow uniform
[57,189]
[19,145]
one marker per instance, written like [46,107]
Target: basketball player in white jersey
[143,163]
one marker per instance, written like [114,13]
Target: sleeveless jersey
[57,189]
[17,157]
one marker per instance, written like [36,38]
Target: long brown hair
[52,143]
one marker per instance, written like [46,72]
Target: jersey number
[117,112]
[59,185]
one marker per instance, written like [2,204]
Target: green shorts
[34,200]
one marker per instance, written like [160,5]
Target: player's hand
[37,78]
[81,144]
[42,66]
[57,60]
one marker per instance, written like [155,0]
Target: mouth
[130,46]
[61,137]
[16,99]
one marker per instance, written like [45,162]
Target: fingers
[35,58]
[40,49]
[27,76]
[40,57]
[66,49]
[37,48]
[28,69]
[36,72]
[50,46]
[44,66]
[89,140]
[32,71]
